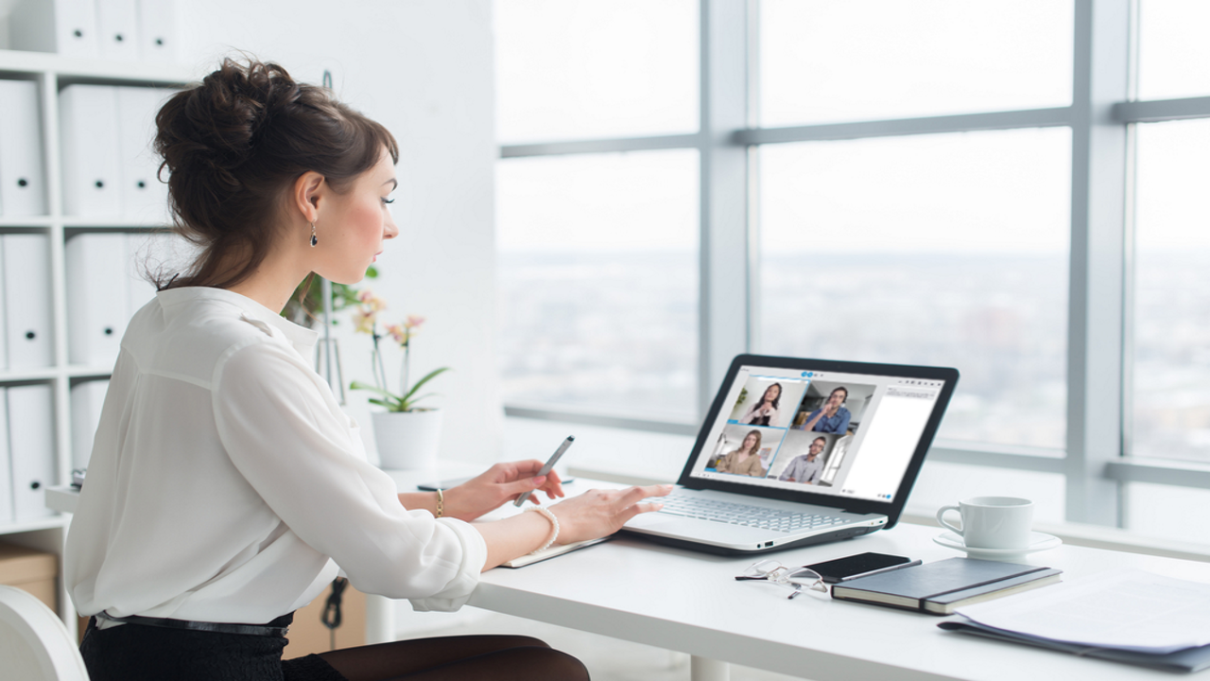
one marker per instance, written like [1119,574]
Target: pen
[550,463]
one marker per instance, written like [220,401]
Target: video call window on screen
[801,430]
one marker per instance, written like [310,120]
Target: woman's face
[352,226]
[772,392]
[749,442]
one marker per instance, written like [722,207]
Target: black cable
[332,617]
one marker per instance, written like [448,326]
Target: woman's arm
[596,513]
[501,483]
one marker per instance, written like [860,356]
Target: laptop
[797,452]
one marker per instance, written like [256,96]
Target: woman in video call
[764,412]
[226,485]
[745,460]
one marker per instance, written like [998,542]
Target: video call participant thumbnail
[832,417]
[806,468]
[744,460]
[764,412]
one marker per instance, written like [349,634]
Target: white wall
[424,69]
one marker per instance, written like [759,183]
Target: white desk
[638,591]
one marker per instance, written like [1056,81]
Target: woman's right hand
[597,513]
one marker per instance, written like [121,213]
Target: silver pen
[550,463]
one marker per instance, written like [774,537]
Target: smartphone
[860,565]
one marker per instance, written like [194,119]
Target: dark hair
[846,392]
[234,144]
[776,400]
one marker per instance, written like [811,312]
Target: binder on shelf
[3,321]
[6,478]
[144,198]
[67,27]
[27,300]
[86,401]
[32,449]
[22,179]
[118,29]
[96,297]
[88,122]
[157,31]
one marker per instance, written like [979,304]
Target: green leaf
[427,377]
[409,405]
[358,385]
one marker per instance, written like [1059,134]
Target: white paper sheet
[1124,609]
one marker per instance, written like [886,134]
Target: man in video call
[831,417]
[806,468]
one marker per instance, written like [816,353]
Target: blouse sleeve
[295,448]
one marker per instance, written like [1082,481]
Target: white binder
[142,250]
[88,119]
[3,320]
[86,402]
[32,448]
[157,31]
[22,180]
[6,477]
[96,298]
[118,26]
[144,197]
[27,300]
[65,26]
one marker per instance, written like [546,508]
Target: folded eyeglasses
[797,579]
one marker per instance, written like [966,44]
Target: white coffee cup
[992,522]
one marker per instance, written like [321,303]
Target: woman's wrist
[554,522]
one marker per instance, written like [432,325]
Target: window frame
[1095,462]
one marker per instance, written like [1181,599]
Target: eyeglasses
[796,579]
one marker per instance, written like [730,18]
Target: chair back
[34,644]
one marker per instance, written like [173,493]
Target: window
[835,60]
[948,250]
[598,281]
[930,181]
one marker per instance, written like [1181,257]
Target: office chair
[34,644]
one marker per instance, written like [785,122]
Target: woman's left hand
[501,483]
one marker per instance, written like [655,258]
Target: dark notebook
[941,587]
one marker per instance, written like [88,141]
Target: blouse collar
[302,338]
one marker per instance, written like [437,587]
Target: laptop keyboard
[746,515]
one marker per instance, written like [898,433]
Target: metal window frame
[1094,462]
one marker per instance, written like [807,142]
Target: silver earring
[314,239]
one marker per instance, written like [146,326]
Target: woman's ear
[309,190]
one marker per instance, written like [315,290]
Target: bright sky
[583,69]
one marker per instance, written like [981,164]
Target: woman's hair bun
[232,144]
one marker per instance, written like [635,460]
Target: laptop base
[701,547]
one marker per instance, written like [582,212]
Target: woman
[225,484]
[764,413]
[745,460]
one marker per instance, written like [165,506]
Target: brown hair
[234,144]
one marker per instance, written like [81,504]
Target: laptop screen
[828,429]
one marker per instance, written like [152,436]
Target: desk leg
[380,619]
[705,669]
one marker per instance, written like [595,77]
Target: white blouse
[226,484]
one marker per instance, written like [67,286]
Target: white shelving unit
[52,73]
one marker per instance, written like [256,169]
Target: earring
[314,239]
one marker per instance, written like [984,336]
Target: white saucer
[1038,541]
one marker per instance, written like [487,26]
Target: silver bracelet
[553,521]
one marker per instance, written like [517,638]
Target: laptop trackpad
[647,521]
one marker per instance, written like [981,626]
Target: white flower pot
[407,440]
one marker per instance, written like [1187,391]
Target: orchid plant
[365,320]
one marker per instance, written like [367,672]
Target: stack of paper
[1125,615]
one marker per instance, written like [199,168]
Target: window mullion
[1098,223]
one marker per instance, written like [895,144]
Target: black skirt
[134,652]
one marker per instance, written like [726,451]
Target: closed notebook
[941,587]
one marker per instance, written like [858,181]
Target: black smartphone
[860,565]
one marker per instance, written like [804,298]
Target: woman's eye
[388,200]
